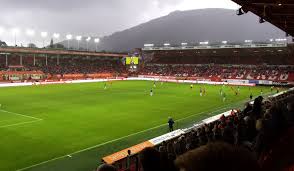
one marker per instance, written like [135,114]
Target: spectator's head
[228,135]
[162,149]
[169,148]
[129,152]
[290,106]
[163,143]
[171,157]
[290,111]
[106,167]
[278,118]
[150,159]
[217,157]
[257,107]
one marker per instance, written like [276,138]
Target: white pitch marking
[21,123]
[20,114]
[5,120]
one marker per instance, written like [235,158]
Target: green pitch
[77,124]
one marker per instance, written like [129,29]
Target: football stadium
[174,106]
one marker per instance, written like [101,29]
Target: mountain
[213,25]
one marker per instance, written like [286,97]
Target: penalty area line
[5,111]
[17,124]
[117,139]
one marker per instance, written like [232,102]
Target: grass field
[41,123]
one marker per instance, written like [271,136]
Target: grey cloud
[83,17]
[80,16]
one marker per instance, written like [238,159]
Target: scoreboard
[133,60]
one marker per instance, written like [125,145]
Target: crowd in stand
[221,71]
[247,57]
[75,66]
[68,66]
[85,65]
[260,137]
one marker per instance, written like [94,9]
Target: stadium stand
[26,64]
[260,137]
[176,63]
[217,72]
[264,61]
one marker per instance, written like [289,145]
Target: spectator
[217,156]
[106,167]
[150,159]
[128,166]
[228,134]
[166,161]
[257,107]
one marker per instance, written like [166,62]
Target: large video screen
[132,60]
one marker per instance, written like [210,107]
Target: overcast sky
[87,17]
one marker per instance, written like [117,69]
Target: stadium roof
[5,50]
[255,51]
[278,12]
[216,46]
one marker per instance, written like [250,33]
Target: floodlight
[69,37]
[44,34]
[184,44]
[97,40]
[56,35]
[148,45]
[248,41]
[88,39]
[166,44]
[30,32]
[224,42]
[280,40]
[204,43]
[79,38]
